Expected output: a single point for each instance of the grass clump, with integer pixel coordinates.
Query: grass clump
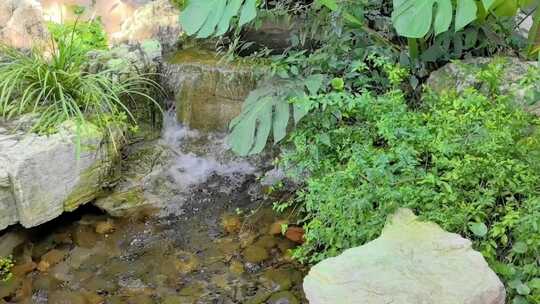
(53, 84)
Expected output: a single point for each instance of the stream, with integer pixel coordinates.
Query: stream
(204, 234)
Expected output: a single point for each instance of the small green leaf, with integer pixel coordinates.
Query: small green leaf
(193, 17)
(465, 13)
(520, 300)
(338, 84)
(488, 3)
(325, 139)
(520, 247)
(330, 4)
(479, 229)
(523, 289)
(534, 283)
(413, 18)
(248, 13)
(314, 83)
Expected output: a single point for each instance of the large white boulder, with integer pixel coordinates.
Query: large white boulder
(43, 176)
(412, 262)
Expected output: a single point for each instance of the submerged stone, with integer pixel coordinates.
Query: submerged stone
(236, 268)
(186, 262)
(10, 241)
(255, 254)
(277, 279)
(283, 297)
(411, 262)
(295, 234)
(85, 236)
(50, 259)
(105, 227)
(231, 223)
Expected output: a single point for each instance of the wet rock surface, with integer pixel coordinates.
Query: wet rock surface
(209, 91)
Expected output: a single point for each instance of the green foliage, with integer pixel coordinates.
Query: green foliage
(6, 264)
(266, 112)
(83, 35)
(179, 3)
(341, 62)
(469, 163)
(206, 18)
(54, 86)
(496, 18)
(415, 18)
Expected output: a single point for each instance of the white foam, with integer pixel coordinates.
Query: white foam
(189, 168)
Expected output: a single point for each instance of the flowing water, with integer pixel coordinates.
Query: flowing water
(204, 238)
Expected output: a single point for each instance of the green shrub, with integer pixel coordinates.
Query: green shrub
(6, 264)
(470, 163)
(85, 36)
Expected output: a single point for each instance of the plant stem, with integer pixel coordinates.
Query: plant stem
(413, 48)
(533, 33)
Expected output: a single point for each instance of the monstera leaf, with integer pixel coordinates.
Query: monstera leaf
(267, 111)
(206, 18)
(414, 18)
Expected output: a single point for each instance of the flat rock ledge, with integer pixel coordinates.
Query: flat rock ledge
(412, 262)
(43, 176)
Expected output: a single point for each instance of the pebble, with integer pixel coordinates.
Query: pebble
(105, 227)
(276, 227)
(231, 224)
(295, 234)
(50, 259)
(283, 297)
(255, 254)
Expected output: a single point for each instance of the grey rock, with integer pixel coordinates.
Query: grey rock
(9, 241)
(43, 176)
(412, 262)
(127, 60)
